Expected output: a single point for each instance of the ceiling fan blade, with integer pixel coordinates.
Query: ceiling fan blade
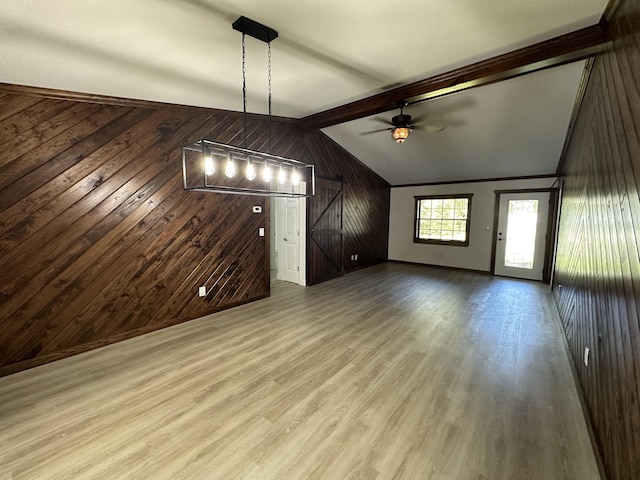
(376, 131)
(455, 123)
(419, 119)
(430, 128)
(382, 120)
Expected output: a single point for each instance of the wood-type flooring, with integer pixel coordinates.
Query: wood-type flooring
(391, 372)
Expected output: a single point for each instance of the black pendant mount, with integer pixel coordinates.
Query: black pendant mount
(255, 29)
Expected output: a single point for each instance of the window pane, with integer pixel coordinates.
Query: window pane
(462, 207)
(522, 222)
(442, 219)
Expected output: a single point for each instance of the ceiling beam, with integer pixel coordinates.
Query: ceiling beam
(556, 51)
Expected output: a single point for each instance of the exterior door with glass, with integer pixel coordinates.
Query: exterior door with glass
(522, 235)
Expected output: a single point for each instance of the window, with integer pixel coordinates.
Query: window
(442, 220)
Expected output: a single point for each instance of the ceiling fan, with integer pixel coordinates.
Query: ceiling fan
(402, 125)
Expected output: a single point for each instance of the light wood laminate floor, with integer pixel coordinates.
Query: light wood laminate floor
(393, 372)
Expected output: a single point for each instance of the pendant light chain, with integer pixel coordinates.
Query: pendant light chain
(263, 174)
(269, 80)
(244, 91)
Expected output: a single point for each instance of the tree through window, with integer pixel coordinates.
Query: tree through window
(442, 220)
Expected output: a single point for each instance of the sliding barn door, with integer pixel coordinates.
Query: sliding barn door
(325, 232)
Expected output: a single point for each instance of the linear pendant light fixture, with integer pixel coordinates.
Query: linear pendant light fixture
(210, 166)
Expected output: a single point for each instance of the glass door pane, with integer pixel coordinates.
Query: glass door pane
(522, 222)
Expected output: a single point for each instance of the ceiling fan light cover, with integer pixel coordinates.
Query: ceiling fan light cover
(400, 134)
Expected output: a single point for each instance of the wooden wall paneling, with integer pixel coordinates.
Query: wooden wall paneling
(603, 357)
(229, 248)
(54, 131)
(626, 237)
(12, 104)
(551, 234)
(366, 200)
(325, 231)
(109, 276)
(597, 285)
(86, 175)
(112, 223)
(45, 261)
(178, 256)
(99, 240)
(78, 220)
(161, 234)
(45, 142)
(28, 118)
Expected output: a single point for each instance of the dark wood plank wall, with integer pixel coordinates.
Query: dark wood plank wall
(98, 240)
(325, 232)
(597, 278)
(365, 205)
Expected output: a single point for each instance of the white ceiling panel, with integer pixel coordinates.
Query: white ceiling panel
(329, 53)
(512, 128)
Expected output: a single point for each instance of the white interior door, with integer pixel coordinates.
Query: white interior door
(288, 240)
(522, 234)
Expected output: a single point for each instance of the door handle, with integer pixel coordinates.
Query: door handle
(285, 239)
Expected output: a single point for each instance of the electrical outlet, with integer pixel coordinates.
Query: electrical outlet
(202, 291)
(586, 356)
(261, 232)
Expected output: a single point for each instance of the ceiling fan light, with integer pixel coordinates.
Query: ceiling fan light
(400, 134)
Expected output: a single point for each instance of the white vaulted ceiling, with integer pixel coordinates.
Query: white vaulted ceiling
(329, 53)
(513, 128)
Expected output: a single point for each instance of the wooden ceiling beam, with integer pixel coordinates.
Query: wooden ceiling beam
(556, 51)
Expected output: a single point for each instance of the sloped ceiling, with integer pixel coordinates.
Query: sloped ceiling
(507, 129)
(329, 53)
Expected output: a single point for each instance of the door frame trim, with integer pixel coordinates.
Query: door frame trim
(279, 206)
(551, 227)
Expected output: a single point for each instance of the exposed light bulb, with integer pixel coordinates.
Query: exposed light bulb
(295, 177)
(266, 173)
(281, 175)
(209, 167)
(230, 169)
(251, 171)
